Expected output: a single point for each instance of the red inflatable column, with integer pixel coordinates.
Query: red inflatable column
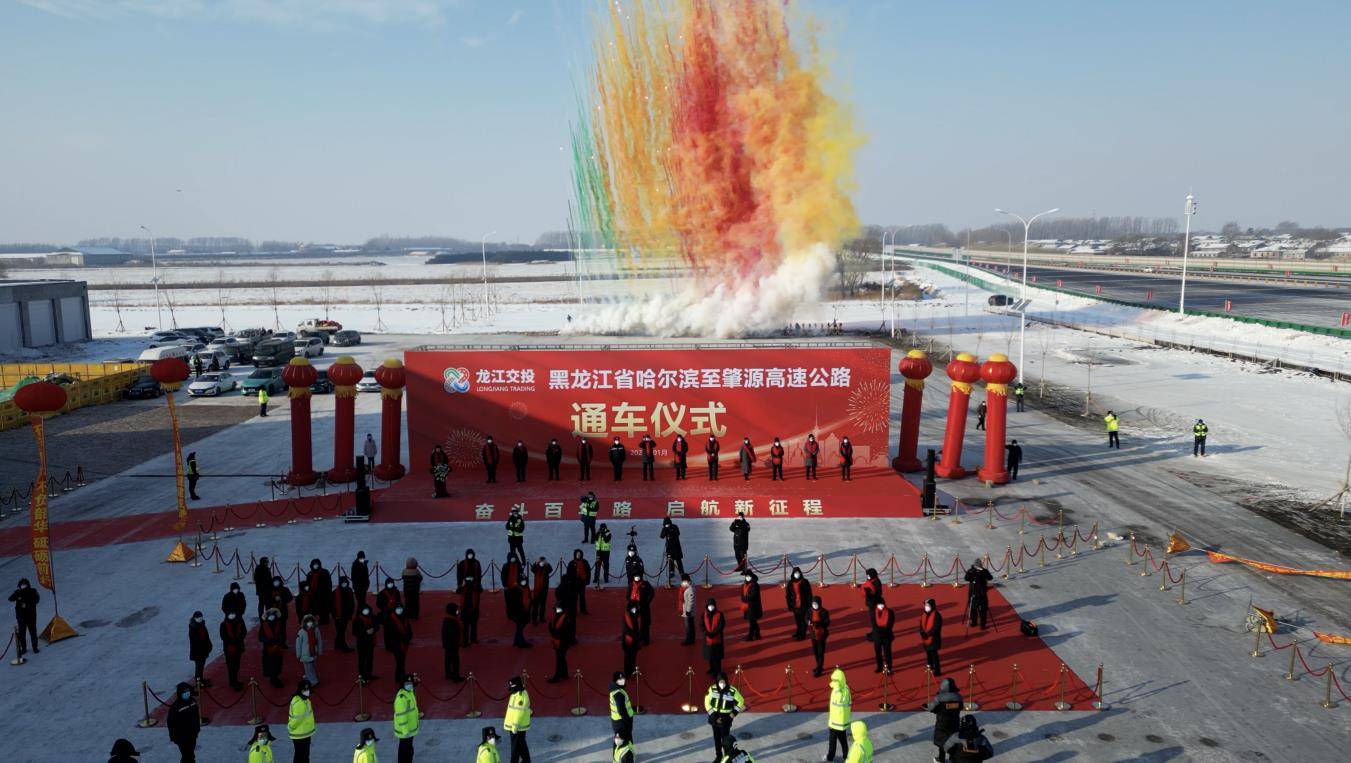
(963, 370)
(915, 367)
(997, 372)
(344, 373)
(299, 375)
(391, 377)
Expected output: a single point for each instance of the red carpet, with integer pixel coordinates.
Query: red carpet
(664, 686)
(873, 492)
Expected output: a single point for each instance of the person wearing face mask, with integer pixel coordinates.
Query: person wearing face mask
(388, 598)
(623, 750)
(741, 539)
(799, 599)
(262, 585)
(846, 459)
(947, 709)
(309, 645)
(517, 720)
(714, 626)
(685, 607)
(931, 634)
(398, 635)
(562, 636)
(321, 585)
(26, 598)
(675, 555)
(516, 535)
(520, 459)
(517, 597)
(872, 589)
(360, 573)
(811, 455)
(272, 636)
(618, 453)
(199, 646)
(776, 453)
(487, 750)
(587, 508)
(751, 608)
(632, 637)
(234, 601)
(540, 572)
(861, 751)
(300, 722)
(633, 563)
(722, 703)
(820, 627)
(440, 470)
(580, 570)
(406, 718)
(841, 713)
(734, 752)
(369, 449)
(469, 585)
(281, 600)
(978, 581)
(680, 448)
(452, 630)
(642, 594)
(711, 450)
(601, 569)
(553, 459)
(882, 621)
(585, 453)
(566, 594)
(365, 750)
(185, 723)
(647, 449)
(621, 708)
(364, 627)
(232, 634)
(746, 457)
(305, 603)
(124, 752)
(412, 588)
(491, 458)
(343, 607)
(260, 744)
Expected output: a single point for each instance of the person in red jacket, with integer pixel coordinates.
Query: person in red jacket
(751, 608)
(776, 460)
(931, 634)
(388, 598)
(232, 635)
(680, 448)
(846, 459)
(820, 622)
(491, 458)
(714, 626)
(540, 572)
(872, 589)
(305, 601)
(562, 635)
(641, 594)
(711, 451)
(799, 598)
(811, 455)
(632, 638)
(883, 623)
(272, 635)
(584, 455)
(344, 608)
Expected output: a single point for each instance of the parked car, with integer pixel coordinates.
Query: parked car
(273, 352)
(232, 346)
(319, 324)
(143, 388)
(999, 300)
(322, 336)
(269, 378)
(311, 347)
(346, 338)
(215, 383)
(368, 383)
(161, 337)
(289, 336)
(221, 357)
(322, 385)
(199, 334)
(152, 354)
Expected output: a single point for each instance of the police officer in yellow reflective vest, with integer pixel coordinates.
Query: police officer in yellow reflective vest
(300, 722)
(1199, 432)
(722, 703)
(517, 721)
(487, 750)
(623, 749)
(1113, 423)
(406, 718)
(841, 711)
(262, 401)
(621, 709)
(862, 749)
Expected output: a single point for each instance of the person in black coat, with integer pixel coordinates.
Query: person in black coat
(1015, 457)
(199, 646)
(124, 752)
(281, 599)
(185, 723)
(633, 563)
(562, 635)
(553, 457)
(26, 598)
(580, 570)
(232, 637)
(321, 585)
(631, 638)
(617, 455)
(360, 573)
(540, 572)
(675, 556)
(947, 709)
(931, 635)
(681, 449)
(641, 593)
(451, 634)
(469, 584)
(799, 599)
(585, 454)
(647, 448)
(491, 458)
(751, 607)
(344, 608)
(518, 611)
(969, 744)
(234, 601)
(262, 585)
(398, 632)
(520, 458)
(977, 593)
(741, 539)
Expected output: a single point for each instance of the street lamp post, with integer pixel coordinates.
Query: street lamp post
(1022, 312)
(154, 268)
(1188, 212)
(483, 251)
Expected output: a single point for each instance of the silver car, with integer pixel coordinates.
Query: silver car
(212, 384)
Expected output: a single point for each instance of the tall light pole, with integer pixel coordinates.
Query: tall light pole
(483, 251)
(1022, 313)
(154, 267)
(1188, 212)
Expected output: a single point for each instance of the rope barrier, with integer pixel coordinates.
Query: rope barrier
(266, 699)
(207, 693)
(157, 697)
(662, 694)
(7, 646)
(530, 681)
(339, 702)
(451, 698)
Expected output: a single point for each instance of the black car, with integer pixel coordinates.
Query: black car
(347, 338)
(143, 388)
(322, 385)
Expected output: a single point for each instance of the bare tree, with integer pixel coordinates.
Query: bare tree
(1044, 340)
(327, 291)
(273, 274)
(117, 306)
(220, 298)
(378, 292)
(169, 302)
(443, 303)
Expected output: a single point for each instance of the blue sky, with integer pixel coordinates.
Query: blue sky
(335, 120)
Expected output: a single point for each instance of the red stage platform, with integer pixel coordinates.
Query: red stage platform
(665, 687)
(873, 492)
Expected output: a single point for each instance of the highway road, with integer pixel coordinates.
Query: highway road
(1318, 306)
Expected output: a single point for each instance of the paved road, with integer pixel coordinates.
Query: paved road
(1318, 306)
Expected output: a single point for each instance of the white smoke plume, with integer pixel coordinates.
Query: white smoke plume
(721, 309)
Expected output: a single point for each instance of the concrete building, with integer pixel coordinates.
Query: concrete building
(42, 313)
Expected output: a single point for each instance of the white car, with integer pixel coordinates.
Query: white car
(212, 384)
(309, 347)
(222, 358)
(368, 383)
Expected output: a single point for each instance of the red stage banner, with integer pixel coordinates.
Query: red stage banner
(456, 397)
(38, 524)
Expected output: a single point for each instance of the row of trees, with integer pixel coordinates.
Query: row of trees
(1234, 230)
